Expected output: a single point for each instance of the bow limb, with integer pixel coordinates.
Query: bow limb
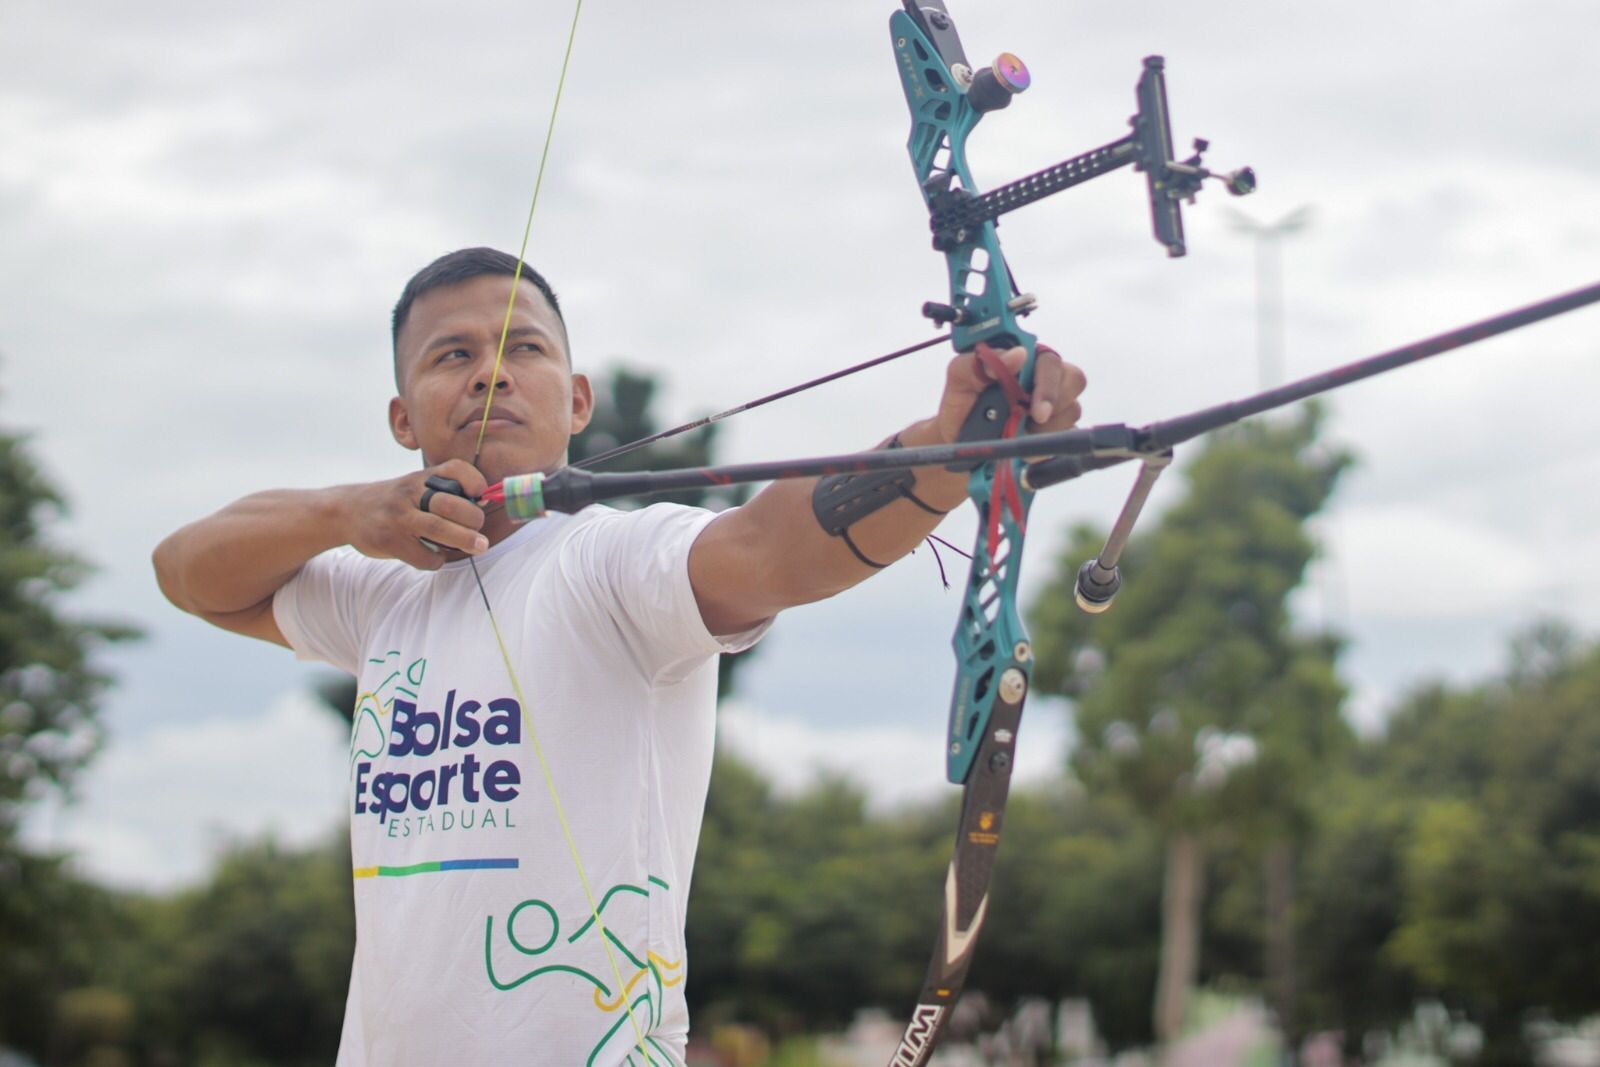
(993, 655)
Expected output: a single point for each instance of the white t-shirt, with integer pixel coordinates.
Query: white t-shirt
(475, 942)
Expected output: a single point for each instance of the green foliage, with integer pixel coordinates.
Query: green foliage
(218, 971)
(250, 968)
(49, 729)
(800, 911)
(1461, 858)
(94, 1026)
(1348, 908)
(1077, 910)
(1199, 652)
(1502, 873)
(49, 689)
(53, 927)
(807, 909)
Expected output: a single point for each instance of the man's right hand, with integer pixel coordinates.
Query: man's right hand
(386, 520)
(227, 567)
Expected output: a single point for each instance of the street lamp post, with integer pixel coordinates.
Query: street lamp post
(1279, 861)
(1269, 286)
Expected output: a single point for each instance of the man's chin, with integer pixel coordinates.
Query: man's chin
(499, 461)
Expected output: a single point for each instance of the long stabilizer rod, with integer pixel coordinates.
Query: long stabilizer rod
(1160, 436)
(1099, 578)
(1072, 452)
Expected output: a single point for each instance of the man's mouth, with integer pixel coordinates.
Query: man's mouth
(498, 418)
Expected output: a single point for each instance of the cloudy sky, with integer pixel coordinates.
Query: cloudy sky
(206, 211)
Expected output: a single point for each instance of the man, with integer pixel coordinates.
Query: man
(478, 940)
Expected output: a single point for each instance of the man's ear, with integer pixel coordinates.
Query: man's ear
(400, 424)
(582, 402)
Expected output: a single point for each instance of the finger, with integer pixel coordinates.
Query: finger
(1073, 381)
(964, 372)
(1047, 380)
(446, 534)
(1066, 417)
(472, 480)
(1013, 359)
(457, 509)
(1058, 382)
(414, 553)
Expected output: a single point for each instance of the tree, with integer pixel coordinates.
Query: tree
(1348, 909)
(54, 930)
(49, 729)
(806, 909)
(251, 967)
(1195, 698)
(1501, 872)
(791, 894)
(49, 687)
(1458, 858)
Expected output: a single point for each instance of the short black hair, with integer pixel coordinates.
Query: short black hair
(464, 264)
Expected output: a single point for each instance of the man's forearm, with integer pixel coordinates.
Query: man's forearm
(240, 556)
(890, 532)
(773, 553)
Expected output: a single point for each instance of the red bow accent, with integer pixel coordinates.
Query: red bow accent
(1004, 494)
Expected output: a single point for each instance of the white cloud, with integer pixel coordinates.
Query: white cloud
(156, 808)
(895, 765)
(209, 211)
(1418, 564)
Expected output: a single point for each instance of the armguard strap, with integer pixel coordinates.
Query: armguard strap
(842, 500)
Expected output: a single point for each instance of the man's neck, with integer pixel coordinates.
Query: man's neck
(498, 526)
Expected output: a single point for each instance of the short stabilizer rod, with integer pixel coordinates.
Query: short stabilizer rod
(1101, 577)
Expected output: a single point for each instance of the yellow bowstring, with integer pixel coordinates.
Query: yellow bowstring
(527, 229)
(505, 653)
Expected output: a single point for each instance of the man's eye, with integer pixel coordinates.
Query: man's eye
(454, 353)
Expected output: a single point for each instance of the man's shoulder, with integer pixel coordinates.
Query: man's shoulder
(345, 564)
(661, 518)
(632, 537)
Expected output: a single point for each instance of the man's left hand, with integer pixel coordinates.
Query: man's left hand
(1054, 406)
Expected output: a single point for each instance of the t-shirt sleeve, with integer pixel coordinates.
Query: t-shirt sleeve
(638, 562)
(322, 611)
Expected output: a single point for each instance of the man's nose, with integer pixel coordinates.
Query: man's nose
(486, 371)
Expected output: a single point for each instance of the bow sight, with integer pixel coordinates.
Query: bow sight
(985, 302)
(954, 210)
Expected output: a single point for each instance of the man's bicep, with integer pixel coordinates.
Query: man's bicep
(732, 585)
(257, 621)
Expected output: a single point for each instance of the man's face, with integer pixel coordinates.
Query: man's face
(445, 356)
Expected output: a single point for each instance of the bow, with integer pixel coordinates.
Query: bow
(947, 98)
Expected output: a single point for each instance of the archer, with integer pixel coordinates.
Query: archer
(481, 934)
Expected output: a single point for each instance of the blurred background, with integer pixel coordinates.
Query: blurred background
(1345, 720)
